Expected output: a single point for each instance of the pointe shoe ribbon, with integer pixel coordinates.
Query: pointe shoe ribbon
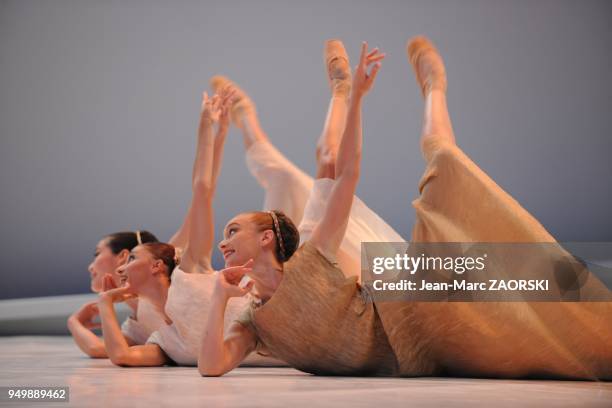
(242, 103)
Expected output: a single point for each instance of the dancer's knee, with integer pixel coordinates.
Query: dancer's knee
(435, 142)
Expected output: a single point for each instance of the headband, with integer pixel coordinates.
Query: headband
(138, 237)
(276, 228)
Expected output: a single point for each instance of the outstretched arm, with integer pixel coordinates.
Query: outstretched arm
(196, 235)
(329, 232)
(119, 350)
(219, 355)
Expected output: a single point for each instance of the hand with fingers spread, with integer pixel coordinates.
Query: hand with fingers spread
(228, 280)
(368, 61)
(86, 314)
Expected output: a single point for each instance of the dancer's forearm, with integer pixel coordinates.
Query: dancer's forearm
(203, 163)
(218, 156)
(85, 339)
(114, 341)
(211, 357)
(348, 163)
(119, 350)
(218, 354)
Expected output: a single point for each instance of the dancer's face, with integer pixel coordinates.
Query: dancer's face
(242, 240)
(140, 269)
(105, 262)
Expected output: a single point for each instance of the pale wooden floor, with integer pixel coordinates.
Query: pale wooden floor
(56, 361)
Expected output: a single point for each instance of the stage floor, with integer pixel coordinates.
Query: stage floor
(56, 361)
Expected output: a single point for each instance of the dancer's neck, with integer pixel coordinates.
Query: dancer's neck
(270, 275)
(157, 295)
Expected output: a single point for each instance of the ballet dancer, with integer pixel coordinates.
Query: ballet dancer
(308, 314)
(151, 266)
(111, 252)
(290, 189)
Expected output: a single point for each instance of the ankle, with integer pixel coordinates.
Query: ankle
(341, 90)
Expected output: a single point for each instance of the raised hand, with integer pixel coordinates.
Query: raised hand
(216, 109)
(211, 110)
(229, 278)
(362, 80)
(227, 96)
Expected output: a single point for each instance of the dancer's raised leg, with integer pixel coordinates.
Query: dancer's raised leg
(461, 203)
(458, 202)
(339, 77)
(431, 77)
(287, 187)
(243, 112)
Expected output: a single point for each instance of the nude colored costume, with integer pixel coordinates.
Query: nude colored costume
(323, 323)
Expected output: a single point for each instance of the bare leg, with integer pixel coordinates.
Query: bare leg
(436, 121)
(251, 129)
(287, 187)
(244, 114)
(462, 204)
(329, 141)
(339, 76)
(431, 77)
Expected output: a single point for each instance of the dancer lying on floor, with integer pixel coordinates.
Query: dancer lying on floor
(111, 252)
(147, 272)
(308, 314)
(288, 190)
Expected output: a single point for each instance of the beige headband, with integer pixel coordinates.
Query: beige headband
(138, 237)
(279, 237)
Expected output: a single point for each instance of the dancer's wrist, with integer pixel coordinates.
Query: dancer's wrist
(356, 98)
(105, 298)
(206, 120)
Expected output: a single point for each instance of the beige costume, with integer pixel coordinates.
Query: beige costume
(323, 323)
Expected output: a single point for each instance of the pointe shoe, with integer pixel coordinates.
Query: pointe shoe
(338, 67)
(427, 64)
(242, 103)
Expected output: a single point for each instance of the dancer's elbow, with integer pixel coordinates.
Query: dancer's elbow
(121, 359)
(207, 370)
(96, 351)
(211, 373)
(202, 187)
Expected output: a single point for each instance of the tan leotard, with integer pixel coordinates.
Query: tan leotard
(321, 322)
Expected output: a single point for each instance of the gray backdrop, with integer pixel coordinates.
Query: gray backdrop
(99, 104)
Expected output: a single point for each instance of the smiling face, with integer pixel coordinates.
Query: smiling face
(140, 269)
(242, 240)
(105, 262)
